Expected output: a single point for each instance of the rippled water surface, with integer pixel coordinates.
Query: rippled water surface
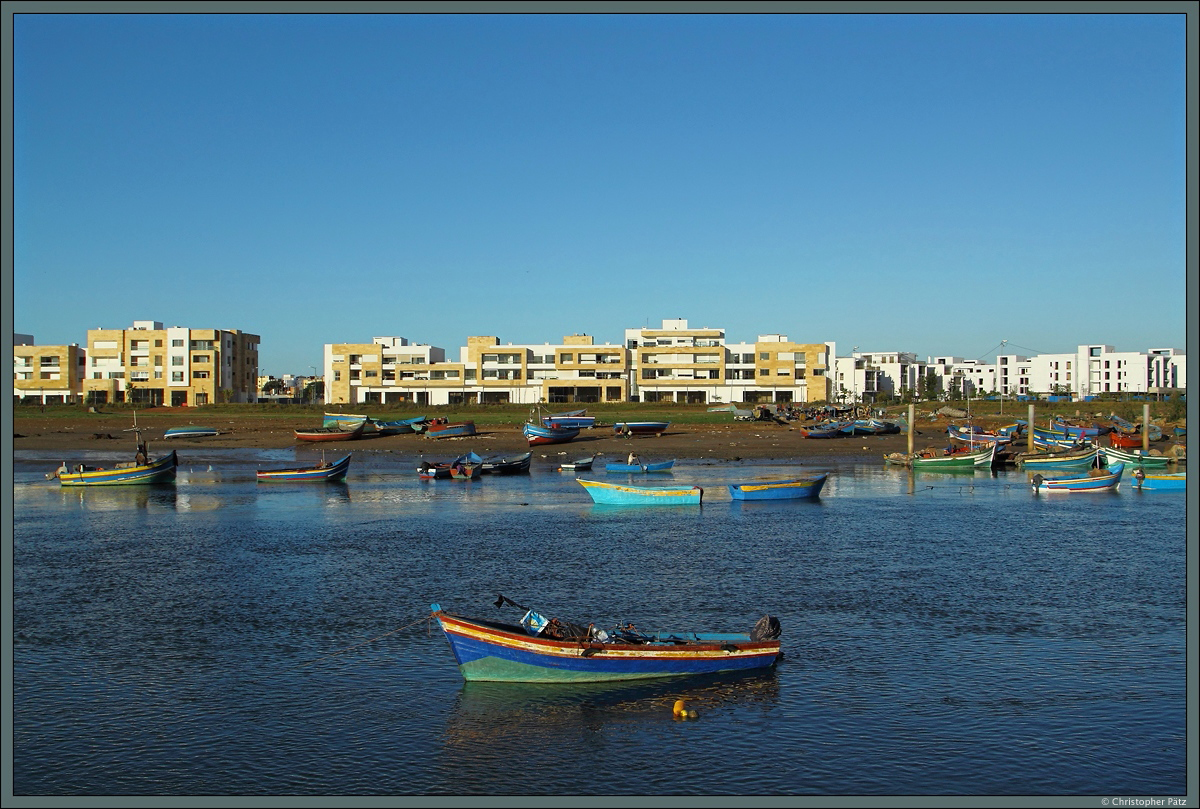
(943, 634)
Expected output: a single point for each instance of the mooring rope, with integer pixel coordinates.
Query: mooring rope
(426, 619)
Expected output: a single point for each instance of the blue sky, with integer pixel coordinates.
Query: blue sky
(925, 183)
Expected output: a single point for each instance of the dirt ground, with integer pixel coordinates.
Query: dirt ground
(732, 441)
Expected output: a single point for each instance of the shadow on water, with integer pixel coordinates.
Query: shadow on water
(489, 713)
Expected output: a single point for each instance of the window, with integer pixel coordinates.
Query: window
(49, 362)
(177, 360)
(177, 344)
(199, 374)
(337, 376)
(764, 371)
(158, 343)
(370, 374)
(200, 358)
(202, 345)
(177, 376)
(764, 355)
(566, 357)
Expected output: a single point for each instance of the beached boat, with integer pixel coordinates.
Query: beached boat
(1160, 481)
(974, 435)
(348, 421)
(831, 430)
(641, 427)
(537, 434)
(399, 426)
(541, 650)
(578, 465)
(1080, 430)
(319, 473)
(793, 489)
(1068, 459)
(610, 494)
(511, 465)
(190, 431)
(1134, 457)
(575, 419)
(640, 468)
(739, 414)
(440, 428)
(141, 471)
(1094, 480)
(331, 433)
(464, 467)
(1123, 440)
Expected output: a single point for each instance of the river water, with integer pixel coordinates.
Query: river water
(944, 634)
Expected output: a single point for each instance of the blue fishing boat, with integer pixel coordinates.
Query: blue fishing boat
(640, 468)
(541, 650)
(1094, 480)
(537, 434)
(1159, 481)
(808, 487)
(610, 494)
(140, 472)
(829, 430)
(578, 465)
(319, 473)
(190, 431)
(399, 426)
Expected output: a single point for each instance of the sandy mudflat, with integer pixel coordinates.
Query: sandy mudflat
(735, 440)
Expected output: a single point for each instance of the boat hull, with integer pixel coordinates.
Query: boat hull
(796, 489)
(537, 434)
(314, 474)
(635, 469)
(190, 432)
(1073, 460)
(1166, 481)
(161, 471)
(1103, 481)
(570, 422)
(450, 430)
(609, 494)
(487, 654)
(1134, 458)
(641, 427)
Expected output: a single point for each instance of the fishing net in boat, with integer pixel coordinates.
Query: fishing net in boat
(767, 628)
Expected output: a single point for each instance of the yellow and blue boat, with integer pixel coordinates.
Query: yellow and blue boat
(140, 472)
(609, 494)
(793, 489)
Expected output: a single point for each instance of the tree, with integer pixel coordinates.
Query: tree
(314, 390)
(274, 386)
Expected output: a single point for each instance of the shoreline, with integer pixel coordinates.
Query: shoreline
(724, 442)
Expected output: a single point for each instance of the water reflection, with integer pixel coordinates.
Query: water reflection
(162, 497)
(487, 715)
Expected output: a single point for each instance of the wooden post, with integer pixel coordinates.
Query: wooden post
(912, 423)
(1146, 427)
(1029, 437)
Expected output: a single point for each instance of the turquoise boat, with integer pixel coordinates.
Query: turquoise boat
(639, 468)
(1160, 481)
(1068, 459)
(190, 432)
(610, 494)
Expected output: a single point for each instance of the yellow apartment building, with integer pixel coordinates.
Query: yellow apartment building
(47, 374)
(390, 370)
(174, 367)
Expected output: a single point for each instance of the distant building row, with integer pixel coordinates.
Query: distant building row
(146, 364)
(177, 366)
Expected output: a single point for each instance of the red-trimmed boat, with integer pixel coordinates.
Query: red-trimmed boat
(440, 428)
(541, 650)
